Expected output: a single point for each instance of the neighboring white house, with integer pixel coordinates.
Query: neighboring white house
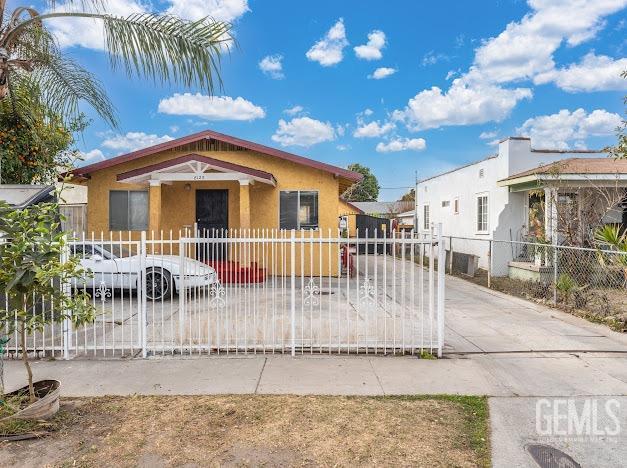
(489, 199)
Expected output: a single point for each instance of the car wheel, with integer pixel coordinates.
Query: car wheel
(158, 284)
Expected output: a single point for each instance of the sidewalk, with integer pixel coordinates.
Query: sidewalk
(515, 382)
(514, 374)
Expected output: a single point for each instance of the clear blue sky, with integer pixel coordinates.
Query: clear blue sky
(460, 75)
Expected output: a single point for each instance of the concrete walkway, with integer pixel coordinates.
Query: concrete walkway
(516, 352)
(507, 375)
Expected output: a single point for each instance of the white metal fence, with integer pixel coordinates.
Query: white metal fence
(253, 291)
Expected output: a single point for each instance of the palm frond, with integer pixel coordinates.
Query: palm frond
(168, 49)
(64, 84)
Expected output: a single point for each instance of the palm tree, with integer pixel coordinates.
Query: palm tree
(164, 48)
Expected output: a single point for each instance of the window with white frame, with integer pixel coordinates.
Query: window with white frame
(482, 213)
(446, 203)
(298, 209)
(128, 210)
(425, 217)
(456, 206)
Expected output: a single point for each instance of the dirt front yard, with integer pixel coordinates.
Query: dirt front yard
(261, 431)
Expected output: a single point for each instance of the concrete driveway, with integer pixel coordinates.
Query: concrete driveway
(479, 320)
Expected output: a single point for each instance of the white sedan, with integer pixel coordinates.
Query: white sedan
(113, 267)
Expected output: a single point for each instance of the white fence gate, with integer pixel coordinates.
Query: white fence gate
(254, 291)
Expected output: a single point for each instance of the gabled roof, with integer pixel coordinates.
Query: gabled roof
(209, 134)
(182, 163)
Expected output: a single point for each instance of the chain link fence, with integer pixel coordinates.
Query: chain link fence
(587, 282)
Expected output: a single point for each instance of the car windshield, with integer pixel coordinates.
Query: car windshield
(105, 250)
(116, 250)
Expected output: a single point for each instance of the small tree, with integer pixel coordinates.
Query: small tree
(619, 151)
(367, 189)
(409, 196)
(32, 275)
(35, 145)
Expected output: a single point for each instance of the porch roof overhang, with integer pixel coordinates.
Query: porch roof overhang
(571, 172)
(536, 181)
(193, 168)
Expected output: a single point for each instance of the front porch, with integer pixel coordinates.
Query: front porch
(199, 192)
(564, 203)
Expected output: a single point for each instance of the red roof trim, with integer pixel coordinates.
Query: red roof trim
(338, 171)
(197, 157)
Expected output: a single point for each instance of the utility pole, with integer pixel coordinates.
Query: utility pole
(416, 203)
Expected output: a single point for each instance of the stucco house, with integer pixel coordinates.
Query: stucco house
(215, 181)
(495, 198)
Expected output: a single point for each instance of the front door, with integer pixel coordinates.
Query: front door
(212, 216)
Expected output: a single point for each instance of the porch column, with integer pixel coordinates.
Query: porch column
(154, 204)
(244, 204)
(550, 214)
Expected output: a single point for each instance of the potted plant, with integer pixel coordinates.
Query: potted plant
(32, 268)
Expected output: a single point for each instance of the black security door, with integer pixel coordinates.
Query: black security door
(212, 216)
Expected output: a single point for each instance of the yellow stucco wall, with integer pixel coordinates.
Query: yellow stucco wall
(178, 210)
(347, 210)
(178, 205)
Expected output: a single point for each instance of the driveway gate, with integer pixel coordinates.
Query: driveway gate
(255, 291)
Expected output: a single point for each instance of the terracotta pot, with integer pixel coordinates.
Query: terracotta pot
(46, 406)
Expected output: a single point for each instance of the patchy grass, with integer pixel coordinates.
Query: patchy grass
(10, 405)
(262, 430)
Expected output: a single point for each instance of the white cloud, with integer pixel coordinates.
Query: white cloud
(460, 105)
(211, 107)
(293, 110)
(522, 51)
(566, 129)
(303, 131)
(220, 10)
(372, 129)
(488, 135)
(272, 66)
(91, 157)
(372, 49)
(133, 141)
(431, 58)
(525, 48)
(329, 50)
(593, 73)
(401, 144)
(382, 72)
(89, 33)
(343, 147)
(367, 112)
